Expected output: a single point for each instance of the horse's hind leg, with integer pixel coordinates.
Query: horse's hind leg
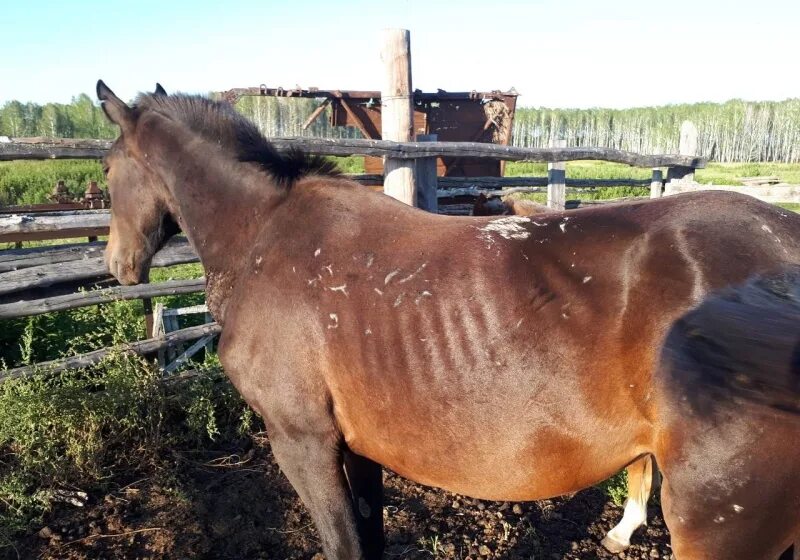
(640, 479)
(365, 478)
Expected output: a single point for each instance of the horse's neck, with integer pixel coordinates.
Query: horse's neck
(221, 205)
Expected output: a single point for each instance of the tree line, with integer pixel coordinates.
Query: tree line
(735, 131)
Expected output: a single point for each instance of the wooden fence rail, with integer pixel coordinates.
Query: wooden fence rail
(26, 308)
(178, 251)
(141, 347)
(64, 148)
(74, 223)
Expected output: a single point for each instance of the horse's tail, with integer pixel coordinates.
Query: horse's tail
(740, 344)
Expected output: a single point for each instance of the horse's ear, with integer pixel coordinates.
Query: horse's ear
(159, 90)
(115, 108)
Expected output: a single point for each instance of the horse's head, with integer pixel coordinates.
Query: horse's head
(140, 201)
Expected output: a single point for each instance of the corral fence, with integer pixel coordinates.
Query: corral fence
(52, 278)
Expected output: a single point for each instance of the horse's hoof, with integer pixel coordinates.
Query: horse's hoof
(613, 546)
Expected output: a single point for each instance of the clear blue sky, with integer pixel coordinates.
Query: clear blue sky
(565, 53)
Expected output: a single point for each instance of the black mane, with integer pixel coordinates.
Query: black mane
(220, 123)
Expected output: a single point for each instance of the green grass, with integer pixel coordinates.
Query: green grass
(349, 164)
(714, 173)
(31, 182)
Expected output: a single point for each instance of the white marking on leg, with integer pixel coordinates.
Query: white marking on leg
(635, 516)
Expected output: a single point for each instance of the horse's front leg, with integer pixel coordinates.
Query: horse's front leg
(365, 478)
(313, 464)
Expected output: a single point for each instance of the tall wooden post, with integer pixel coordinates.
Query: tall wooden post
(397, 113)
(656, 184)
(556, 180)
(427, 181)
(689, 146)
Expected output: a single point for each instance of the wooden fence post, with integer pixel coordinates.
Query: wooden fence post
(688, 147)
(656, 184)
(397, 113)
(427, 181)
(556, 180)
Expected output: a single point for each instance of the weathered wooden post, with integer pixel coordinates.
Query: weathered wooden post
(656, 184)
(427, 181)
(397, 114)
(556, 180)
(92, 196)
(688, 147)
(60, 194)
(92, 199)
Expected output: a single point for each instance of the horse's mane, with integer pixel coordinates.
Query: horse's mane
(220, 123)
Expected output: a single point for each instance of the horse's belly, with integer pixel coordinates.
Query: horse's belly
(493, 456)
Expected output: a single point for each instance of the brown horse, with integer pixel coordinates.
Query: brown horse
(359, 329)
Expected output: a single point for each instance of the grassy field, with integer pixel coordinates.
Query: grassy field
(715, 173)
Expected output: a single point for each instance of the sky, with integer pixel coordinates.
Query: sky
(567, 53)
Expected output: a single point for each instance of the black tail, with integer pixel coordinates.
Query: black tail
(742, 343)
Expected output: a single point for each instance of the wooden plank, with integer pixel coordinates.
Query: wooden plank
(34, 208)
(53, 148)
(475, 191)
(67, 224)
(364, 124)
(755, 181)
(768, 193)
(427, 181)
(317, 112)
(191, 310)
(413, 150)
(15, 259)
(67, 233)
(502, 182)
(50, 274)
(189, 352)
(656, 184)
(141, 347)
(556, 181)
(397, 114)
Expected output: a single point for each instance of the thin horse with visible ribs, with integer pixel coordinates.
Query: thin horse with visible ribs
(359, 328)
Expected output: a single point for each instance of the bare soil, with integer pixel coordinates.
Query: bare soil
(235, 503)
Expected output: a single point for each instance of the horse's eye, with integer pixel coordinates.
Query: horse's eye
(105, 171)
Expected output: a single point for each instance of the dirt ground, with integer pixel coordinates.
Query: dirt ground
(235, 503)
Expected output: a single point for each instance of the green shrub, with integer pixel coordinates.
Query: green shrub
(83, 428)
(32, 182)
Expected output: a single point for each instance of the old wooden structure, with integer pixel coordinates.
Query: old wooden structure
(486, 117)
